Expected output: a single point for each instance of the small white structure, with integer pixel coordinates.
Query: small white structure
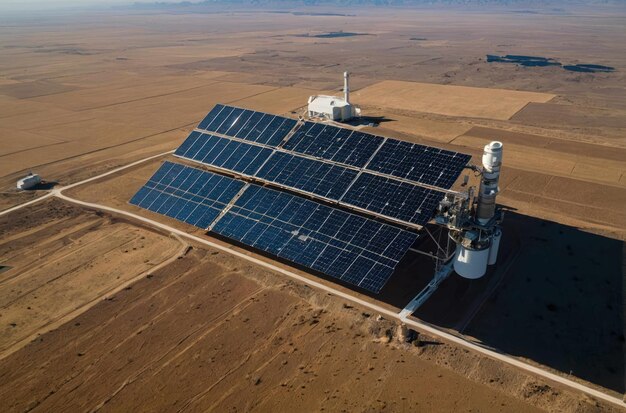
(29, 181)
(333, 107)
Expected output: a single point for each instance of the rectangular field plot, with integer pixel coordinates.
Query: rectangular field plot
(448, 100)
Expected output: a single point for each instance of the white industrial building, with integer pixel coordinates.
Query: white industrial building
(333, 107)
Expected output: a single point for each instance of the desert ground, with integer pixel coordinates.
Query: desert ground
(100, 312)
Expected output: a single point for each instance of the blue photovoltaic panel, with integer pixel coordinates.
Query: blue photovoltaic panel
(233, 118)
(187, 143)
(270, 130)
(419, 163)
(251, 127)
(354, 249)
(224, 153)
(247, 124)
(187, 194)
(319, 178)
(392, 198)
(333, 143)
(211, 118)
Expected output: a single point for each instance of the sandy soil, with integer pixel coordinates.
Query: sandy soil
(209, 332)
(61, 261)
(79, 96)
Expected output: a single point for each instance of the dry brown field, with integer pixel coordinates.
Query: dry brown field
(449, 100)
(101, 313)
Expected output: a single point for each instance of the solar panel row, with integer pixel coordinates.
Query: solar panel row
(381, 195)
(349, 247)
(224, 153)
(334, 144)
(354, 249)
(419, 163)
(187, 194)
(247, 124)
(392, 198)
(318, 178)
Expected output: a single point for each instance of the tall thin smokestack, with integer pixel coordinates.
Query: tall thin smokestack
(346, 87)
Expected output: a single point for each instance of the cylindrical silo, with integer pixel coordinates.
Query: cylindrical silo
(471, 263)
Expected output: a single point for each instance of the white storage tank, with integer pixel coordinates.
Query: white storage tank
(495, 246)
(471, 263)
(29, 181)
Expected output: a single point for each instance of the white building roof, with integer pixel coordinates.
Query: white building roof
(324, 104)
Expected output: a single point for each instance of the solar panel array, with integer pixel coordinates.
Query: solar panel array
(382, 177)
(317, 178)
(334, 144)
(392, 198)
(365, 169)
(418, 163)
(349, 247)
(224, 153)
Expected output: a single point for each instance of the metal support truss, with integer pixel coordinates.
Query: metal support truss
(443, 269)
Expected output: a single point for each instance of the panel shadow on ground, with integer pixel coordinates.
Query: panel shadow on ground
(560, 301)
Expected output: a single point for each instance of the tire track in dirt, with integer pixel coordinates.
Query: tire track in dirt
(129, 336)
(147, 97)
(47, 245)
(198, 397)
(273, 393)
(84, 307)
(151, 365)
(35, 265)
(56, 278)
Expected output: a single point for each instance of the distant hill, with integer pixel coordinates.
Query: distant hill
(295, 3)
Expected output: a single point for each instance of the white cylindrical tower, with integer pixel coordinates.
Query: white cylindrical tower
(346, 87)
(492, 160)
